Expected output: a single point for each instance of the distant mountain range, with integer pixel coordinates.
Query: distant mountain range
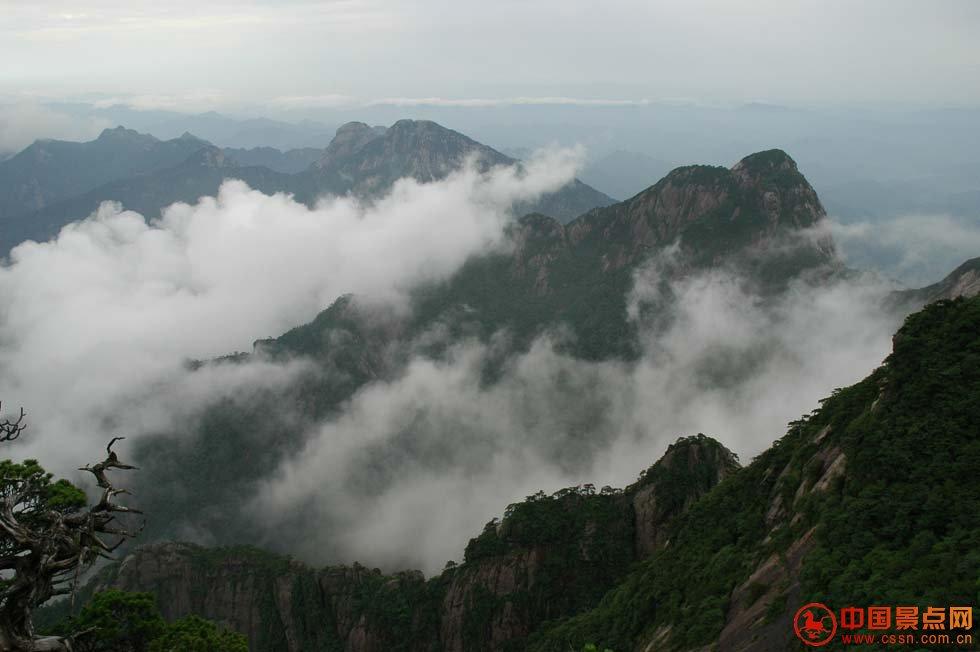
(53, 183)
(289, 161)
(49, 171)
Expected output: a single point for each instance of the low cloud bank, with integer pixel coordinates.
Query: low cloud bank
(416, 466)
(96, 325)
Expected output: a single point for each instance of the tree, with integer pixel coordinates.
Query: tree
(48, 536)
(194, 634)
(118, 621)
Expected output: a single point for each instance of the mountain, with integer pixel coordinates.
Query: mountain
(289, 162)
(549, 557)
(871, 499)
(756, 216)
(51, 170)
(219, 129)
(964, 281)
(361, 160)
(199, 175)
(759, 216)
(367, 160)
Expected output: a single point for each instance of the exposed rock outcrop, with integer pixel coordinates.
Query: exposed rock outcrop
(549, 557)
(964, 281)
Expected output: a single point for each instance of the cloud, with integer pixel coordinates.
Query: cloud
(23, 122)
(415, 465)
(96, 325)
(914, 249)
(506, 101)
(184, 103)
(329, 101)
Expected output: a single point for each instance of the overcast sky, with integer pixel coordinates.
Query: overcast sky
(218, 54)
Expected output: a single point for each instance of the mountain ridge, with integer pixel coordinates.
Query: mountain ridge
(728, 553)
(361, 160)
(48, 171)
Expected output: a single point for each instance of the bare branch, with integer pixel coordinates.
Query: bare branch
(10, 430)
(110, 462)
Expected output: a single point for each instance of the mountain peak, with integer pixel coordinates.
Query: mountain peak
(421, 149)
(766, 160)
(406, 124)
(772, 167)
(188, 136)
(964, 281)
(752, 215)
(210, 157)
(356, 128)
(122, 134)
(350, 138)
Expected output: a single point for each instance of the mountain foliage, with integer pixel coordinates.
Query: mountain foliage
(869, 499)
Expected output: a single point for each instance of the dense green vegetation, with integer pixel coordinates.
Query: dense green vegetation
(117, 621)
(906, 523)
(903, 524)
(582, 542)
(193, 634)
(60, 496)
(899, 525)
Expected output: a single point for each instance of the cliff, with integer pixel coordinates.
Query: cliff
(869, 499)
(547, 558)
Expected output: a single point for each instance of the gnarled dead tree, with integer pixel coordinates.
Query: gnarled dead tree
(48, 535)
(10, 430)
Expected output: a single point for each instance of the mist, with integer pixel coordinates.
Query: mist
(97, 325)
(914, 249)
(22, 123)
(445, 450)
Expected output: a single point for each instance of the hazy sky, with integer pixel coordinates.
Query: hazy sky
(219, 54)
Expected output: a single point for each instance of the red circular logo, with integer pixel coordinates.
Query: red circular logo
(815, 624)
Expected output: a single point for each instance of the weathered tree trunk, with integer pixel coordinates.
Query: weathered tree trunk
(51, 644)
(44, 548)
(46, 644)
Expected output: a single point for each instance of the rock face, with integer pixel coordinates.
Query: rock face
(964, 281)
(761, 212)
(690, 468)
(868, 497)
(366, 161)
(860, 502)
(549, 557)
